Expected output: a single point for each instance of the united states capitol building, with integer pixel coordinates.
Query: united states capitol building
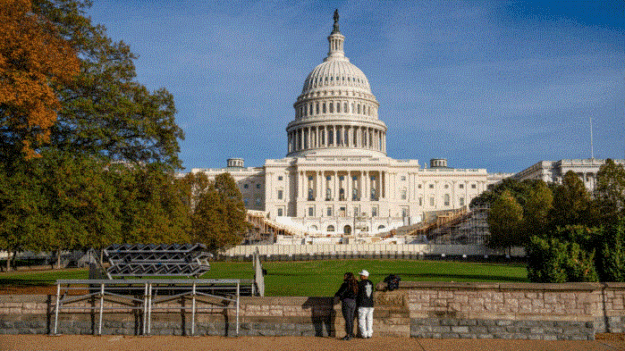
(337, 178)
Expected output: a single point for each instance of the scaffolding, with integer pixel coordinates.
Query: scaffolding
(165, 260)
(466, 229)
(147, 296)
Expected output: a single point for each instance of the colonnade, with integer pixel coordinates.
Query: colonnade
(342, 185)
(335, 107)
(337, 136)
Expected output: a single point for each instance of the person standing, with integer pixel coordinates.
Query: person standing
(347, 294)
(364, 301)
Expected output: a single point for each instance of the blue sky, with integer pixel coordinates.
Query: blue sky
(499, 85)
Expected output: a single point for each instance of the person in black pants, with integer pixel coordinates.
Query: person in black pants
(347, 294)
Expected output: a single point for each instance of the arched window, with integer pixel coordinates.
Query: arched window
(313, 228)
(446, 199)
(330, 228)
(381, 227)
(338, 107)
(358, 109)
(331, 107)
(347, 229)
(324, 107)
(345, 108)
(317, 108)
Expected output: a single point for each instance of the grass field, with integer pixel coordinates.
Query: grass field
(319, 278)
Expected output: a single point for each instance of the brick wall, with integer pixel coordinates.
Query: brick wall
(575, 311)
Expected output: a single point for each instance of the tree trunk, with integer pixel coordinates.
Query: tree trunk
(58, 259)
(8, 260)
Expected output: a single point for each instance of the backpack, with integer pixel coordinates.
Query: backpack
(392, 282)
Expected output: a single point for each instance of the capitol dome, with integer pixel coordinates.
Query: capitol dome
(336, 114)
(336, 73)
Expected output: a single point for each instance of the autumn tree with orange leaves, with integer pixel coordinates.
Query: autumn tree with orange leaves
(34, 59)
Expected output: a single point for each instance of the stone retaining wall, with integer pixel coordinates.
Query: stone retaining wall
(574, 311)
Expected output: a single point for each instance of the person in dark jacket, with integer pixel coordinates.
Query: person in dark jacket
(347, 294)
(364, 302)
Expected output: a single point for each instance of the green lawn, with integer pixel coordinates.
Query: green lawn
(321, 278)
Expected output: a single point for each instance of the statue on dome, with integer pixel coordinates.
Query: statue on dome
(336, 21)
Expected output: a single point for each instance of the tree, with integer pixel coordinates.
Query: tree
(571, 202)
(537, 207)
(219, 217)
(611, 252)
(231, 196)
(153, 210)
(193, 186)
(34, 59)
(504, 221)
(551, 260)
(104, 110)
(609, 193)
(21, 207)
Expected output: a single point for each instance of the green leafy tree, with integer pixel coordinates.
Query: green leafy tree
(210, 225)
(609, 192)
(219, 217)
(231, 196)
(193, 186)
(571, 202)
(566, 256)
(555, 261)
(537, 207)
(104, 110)
(153, 208)
(21, 207)
(505, 222)
(611, 252)
(81, 205)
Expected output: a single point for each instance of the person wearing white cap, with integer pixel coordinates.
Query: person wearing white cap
(364, 301)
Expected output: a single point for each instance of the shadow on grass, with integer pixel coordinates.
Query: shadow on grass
(25, 282)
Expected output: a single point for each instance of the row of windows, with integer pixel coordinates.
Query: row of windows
(329, 211)
(332, 79)
(446, 201)
(257, 202)
(346, 229)
(431, 186)
(246, 186)
(311, 109)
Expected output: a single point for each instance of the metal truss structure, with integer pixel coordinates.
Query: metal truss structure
(147, 296)
(165, 260)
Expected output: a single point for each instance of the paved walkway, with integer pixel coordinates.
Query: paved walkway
(100, 343)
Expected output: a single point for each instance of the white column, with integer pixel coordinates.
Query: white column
(365, 186)
(348, 187)
(335, 195)
(300, 186)
(318, 186)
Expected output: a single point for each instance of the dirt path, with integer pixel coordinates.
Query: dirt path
(135, 343)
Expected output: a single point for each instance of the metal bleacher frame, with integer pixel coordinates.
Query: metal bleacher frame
(152, 260)
(143, 295)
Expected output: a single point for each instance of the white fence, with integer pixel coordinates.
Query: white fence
(362, 249)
